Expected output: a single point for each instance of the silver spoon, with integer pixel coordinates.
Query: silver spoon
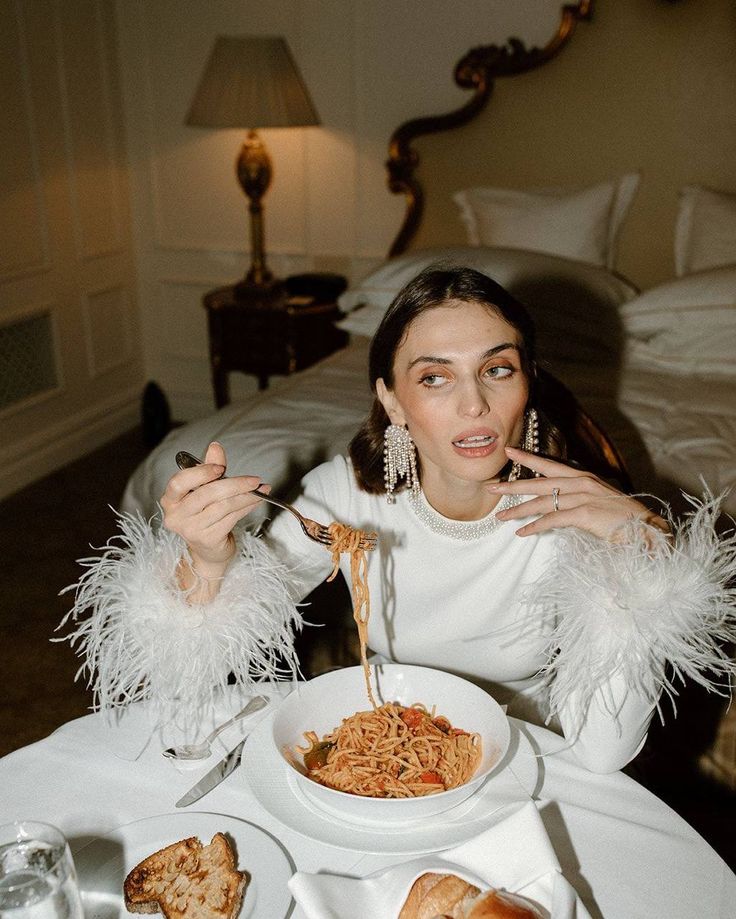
(203, 749)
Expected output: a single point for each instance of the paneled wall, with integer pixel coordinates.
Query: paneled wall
(70, 352)
(369, 64)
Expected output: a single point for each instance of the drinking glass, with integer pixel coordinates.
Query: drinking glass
(37, 876)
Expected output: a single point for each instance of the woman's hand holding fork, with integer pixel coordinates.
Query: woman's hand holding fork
(203, 506)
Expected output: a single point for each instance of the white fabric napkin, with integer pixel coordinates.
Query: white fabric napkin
(514, 854)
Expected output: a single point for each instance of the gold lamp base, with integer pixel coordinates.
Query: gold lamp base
(254, 173)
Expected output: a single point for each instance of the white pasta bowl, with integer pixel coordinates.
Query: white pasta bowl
(321, 704)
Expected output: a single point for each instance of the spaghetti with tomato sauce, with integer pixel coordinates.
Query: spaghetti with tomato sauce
(393, 751)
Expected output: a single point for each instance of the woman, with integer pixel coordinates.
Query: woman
(557, 591)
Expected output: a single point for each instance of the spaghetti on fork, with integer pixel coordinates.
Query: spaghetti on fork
(345, 538)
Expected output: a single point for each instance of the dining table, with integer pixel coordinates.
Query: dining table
(105, 783)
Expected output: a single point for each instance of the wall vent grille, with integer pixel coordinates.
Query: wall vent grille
(27, 360)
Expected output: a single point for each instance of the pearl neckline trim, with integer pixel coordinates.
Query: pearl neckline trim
(460, 529)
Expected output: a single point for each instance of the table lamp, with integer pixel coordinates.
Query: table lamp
(252, 82)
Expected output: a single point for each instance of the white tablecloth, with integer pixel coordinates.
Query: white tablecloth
(626, 853)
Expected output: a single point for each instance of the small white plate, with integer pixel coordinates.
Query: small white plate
(273, 785)
(103, 865)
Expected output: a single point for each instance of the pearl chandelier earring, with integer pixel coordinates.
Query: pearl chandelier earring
(399, 460)
(530, 441)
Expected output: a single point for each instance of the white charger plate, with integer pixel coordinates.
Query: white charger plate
(104, 863)
(274, 787)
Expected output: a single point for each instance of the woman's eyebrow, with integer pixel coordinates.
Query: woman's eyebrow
(428, 359)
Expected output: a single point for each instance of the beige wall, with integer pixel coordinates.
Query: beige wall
(646, 86)
(65, 247)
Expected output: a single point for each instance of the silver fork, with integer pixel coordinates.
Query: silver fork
(316, 531)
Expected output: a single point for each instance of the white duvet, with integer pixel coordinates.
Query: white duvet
(279, 435)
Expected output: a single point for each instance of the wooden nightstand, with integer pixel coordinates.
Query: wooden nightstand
(264, 331)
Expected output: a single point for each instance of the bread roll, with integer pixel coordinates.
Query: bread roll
(498, 904)
(446, 896)
(433, 895)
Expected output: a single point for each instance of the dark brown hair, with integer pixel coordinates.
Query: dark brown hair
(434, 287)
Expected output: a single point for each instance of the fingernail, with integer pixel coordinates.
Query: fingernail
(217, 466)
(494, 487)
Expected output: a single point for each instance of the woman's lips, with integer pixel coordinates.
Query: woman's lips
(475, 446)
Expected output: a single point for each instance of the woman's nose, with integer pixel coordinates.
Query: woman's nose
(473, 401)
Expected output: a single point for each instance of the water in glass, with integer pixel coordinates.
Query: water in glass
(37, 877)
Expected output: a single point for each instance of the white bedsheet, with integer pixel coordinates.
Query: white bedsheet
(279, 434)
(688, 425)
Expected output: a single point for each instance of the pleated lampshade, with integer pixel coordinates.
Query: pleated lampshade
(251, 81)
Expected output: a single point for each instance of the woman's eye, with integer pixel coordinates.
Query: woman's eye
(498, 372)
(432, 379)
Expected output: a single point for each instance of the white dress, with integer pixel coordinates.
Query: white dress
(558, 625)
(458, 604)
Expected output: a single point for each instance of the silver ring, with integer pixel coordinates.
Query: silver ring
(555, 499)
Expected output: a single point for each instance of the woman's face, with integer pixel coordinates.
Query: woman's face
(460, 389)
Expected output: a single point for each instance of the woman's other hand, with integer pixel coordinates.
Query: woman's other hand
(568, 497)
(203, 506)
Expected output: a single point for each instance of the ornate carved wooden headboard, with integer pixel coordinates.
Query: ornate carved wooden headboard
(641, 90)
(476, 71)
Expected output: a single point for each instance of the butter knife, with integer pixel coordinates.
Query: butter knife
(216, 775)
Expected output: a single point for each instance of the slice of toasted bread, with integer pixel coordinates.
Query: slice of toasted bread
(187, 880)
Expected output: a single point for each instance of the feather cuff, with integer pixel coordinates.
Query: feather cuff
(653, 610)
(142, 640)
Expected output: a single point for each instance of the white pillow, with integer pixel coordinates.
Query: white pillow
(686, 326)
(580, 223)
(716, 287)
(533, 276)
(705, 232)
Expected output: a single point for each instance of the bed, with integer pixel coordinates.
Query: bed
(655, 368)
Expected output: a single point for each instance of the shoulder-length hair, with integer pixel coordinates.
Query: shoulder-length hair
(433, 287)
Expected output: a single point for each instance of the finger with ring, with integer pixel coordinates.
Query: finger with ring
(555, 499)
